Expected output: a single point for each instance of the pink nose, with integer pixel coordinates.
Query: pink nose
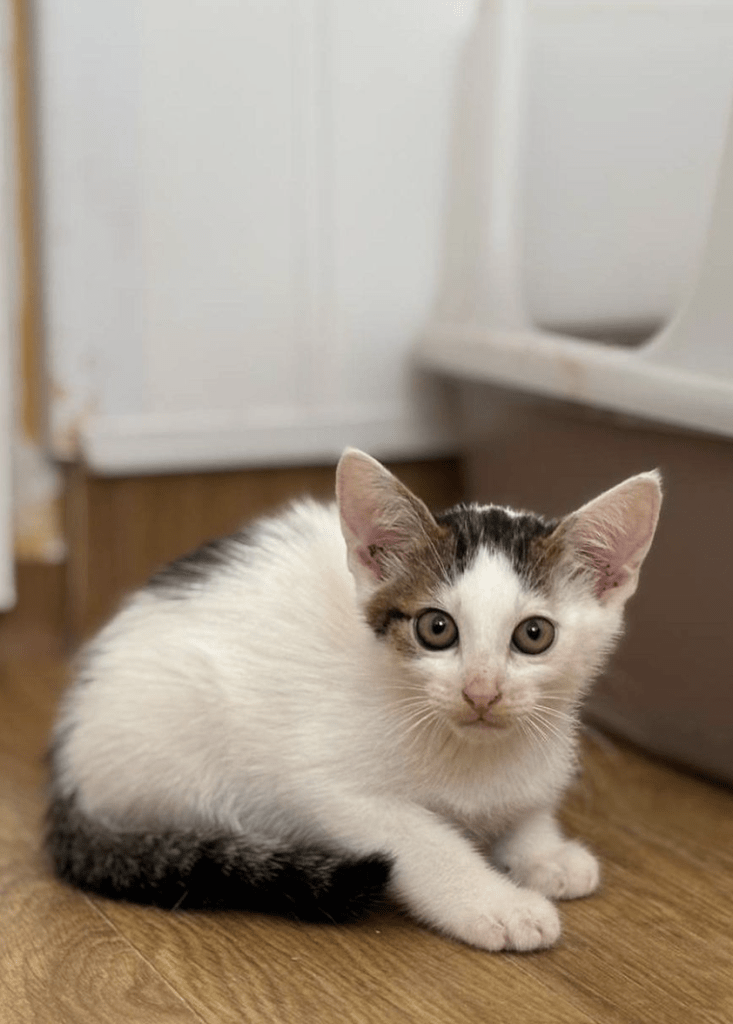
(481, 694)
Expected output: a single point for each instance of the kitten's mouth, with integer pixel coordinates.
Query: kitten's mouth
(490, 722)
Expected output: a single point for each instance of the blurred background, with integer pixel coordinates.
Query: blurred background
(238, 235)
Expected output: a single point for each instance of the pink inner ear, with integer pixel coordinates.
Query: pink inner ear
(379, 516)
(361, 506)
(372, 554)
(613, 534)
(611, 567)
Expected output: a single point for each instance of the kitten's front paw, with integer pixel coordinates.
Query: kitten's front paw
(566, 873)
(526, 921)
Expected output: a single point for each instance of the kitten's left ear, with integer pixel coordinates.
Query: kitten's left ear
(380, 518)
(611, 535)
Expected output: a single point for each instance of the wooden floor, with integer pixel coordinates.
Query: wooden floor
(656, 945)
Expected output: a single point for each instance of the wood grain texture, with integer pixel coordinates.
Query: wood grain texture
(37, 623)
(655, 945)
(384, 969)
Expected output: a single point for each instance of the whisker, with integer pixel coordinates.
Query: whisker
(416, 719)
(559, 696)
(428, 716)
(537, 737)
(550, 728)
(564, 716)
(566, 703)
(537, 727)
(406, 707)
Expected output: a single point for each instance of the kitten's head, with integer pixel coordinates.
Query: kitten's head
(498, 617)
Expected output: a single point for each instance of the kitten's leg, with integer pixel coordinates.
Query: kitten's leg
(537, 855)
(443, 879)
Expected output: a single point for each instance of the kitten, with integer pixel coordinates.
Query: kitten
(342, 701)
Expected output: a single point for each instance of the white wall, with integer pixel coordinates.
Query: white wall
(242, 224)
(626, 112)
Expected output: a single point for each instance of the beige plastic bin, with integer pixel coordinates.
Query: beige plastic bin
(551, 419)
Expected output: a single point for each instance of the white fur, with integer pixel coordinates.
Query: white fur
(264, 703)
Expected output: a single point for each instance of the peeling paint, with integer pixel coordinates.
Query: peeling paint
(69, 421)
(37, 504)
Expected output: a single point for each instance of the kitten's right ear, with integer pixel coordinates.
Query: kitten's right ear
(380, 517)
(611, 535)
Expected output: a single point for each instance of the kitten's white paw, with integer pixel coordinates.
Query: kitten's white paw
(566, 873)
(527, 921)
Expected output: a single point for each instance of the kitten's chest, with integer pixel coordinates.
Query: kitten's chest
(489, 794)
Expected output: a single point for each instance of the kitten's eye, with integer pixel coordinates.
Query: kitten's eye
(436, 630)
(533, 636)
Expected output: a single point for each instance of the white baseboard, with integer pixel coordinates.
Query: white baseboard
(160, 443)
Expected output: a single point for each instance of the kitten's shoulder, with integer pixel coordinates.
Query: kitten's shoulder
(303, 517)
(294, 528)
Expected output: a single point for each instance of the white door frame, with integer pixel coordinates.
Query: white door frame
(7, 303)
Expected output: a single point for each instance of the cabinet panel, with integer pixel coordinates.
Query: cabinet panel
(242, 226)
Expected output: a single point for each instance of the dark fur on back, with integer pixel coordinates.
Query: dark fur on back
(210, 870)
(182, 575)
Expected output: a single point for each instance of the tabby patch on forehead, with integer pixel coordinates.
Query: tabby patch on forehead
(523, 537)
(424, 569)
(528, 541)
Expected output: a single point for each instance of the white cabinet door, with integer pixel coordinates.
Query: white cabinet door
(242, 225)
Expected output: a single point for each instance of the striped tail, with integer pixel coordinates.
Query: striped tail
(208, 870)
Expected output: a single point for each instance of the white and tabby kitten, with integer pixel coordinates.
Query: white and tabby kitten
(350, 700)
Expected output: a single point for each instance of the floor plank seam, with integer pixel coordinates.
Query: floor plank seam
(116, 929)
